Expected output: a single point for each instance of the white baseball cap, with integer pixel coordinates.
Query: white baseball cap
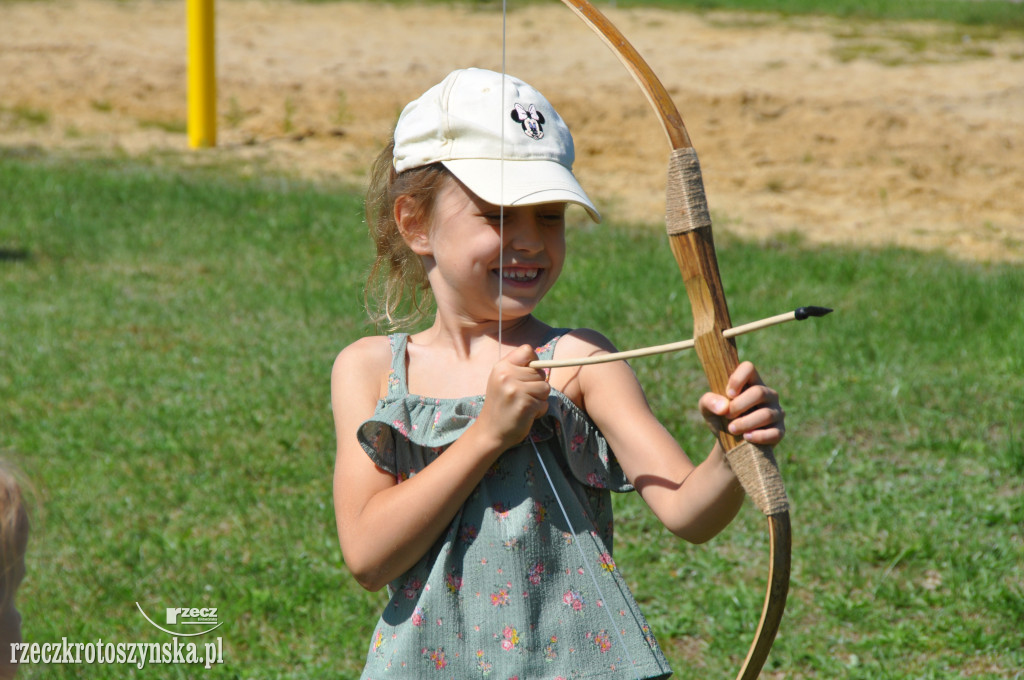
(498, 135)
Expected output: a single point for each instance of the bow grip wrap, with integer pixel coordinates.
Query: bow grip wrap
(686, 206)
(758, 472)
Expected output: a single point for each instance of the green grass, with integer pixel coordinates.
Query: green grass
(166, 343)
(969, 12)
(175, 126)
(1005, 14)
(14, 117)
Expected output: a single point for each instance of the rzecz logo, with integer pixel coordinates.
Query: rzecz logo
(187, 616)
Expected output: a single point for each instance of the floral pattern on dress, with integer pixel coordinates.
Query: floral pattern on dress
(503, 593)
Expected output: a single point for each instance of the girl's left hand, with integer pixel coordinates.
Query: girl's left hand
(750, 408)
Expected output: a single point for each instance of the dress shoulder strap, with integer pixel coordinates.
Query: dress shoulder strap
(398, 382)
(547, 350)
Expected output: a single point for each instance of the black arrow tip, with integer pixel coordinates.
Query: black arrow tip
(804, 312)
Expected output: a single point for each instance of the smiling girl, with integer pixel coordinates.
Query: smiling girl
(476, 488)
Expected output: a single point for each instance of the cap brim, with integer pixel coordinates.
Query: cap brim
(514, 183)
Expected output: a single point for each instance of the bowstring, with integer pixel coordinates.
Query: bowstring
(584, 562)
(501, 176)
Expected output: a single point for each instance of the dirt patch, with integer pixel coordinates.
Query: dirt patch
(844, 133)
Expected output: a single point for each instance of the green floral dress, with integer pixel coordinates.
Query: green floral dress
(508, 590)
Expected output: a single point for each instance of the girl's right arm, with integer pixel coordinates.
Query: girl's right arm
(385, 527)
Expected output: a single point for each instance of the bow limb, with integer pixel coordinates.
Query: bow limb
(688, 224)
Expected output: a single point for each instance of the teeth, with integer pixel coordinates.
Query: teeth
(520, 274)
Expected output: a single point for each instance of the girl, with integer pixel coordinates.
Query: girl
(475, 487)
(14, 530)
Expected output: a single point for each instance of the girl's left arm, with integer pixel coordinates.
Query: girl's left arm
(695, 502)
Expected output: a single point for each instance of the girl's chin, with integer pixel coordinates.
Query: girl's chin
(513, 308)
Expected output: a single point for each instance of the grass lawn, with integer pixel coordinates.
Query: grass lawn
(1005, 14)
(166, 343)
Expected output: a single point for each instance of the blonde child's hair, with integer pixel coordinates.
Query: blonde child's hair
(14, 528)
(397, 290)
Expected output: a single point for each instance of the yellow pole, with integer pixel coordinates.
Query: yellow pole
(202, 75)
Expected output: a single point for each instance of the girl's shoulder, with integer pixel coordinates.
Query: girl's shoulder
(365, 364)
(370, 348)
(582, 342)
(574, 344)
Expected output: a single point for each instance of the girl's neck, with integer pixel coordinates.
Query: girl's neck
(454, 361)
(467, 340)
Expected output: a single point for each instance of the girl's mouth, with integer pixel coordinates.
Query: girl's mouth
(520, 274)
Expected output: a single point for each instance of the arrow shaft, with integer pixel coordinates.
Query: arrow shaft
(796, 315)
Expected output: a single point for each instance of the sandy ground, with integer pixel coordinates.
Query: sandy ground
(845, 133)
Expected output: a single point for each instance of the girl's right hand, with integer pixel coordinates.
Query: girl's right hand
(516, 396)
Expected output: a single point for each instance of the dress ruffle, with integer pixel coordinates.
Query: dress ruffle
(396, 442)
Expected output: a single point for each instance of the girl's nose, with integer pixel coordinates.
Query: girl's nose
(523, 231)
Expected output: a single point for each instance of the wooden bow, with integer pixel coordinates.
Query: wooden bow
(689, 229)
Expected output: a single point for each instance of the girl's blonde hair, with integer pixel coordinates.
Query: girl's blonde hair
(397, 291)
(14, 529)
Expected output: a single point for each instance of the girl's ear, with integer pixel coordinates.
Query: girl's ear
(412, 226)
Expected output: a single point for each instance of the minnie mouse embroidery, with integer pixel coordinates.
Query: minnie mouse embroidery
(531, 120)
